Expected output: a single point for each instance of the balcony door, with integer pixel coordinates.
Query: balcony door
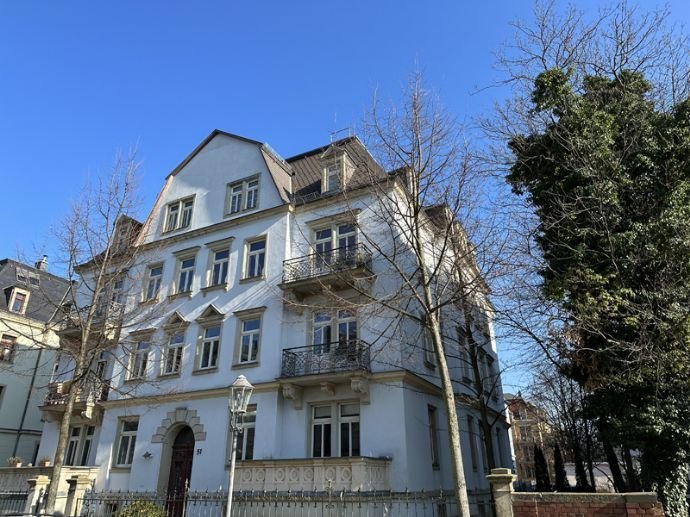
(334, 244)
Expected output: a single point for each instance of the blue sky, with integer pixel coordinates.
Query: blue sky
(81, 79)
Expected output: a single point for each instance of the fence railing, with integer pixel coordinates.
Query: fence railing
(329, 503)
(12, 502)
(339, 356)
(333, 261)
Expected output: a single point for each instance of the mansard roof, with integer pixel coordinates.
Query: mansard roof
(308, 167)
(45, 298)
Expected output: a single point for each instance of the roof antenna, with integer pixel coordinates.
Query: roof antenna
(334, 133)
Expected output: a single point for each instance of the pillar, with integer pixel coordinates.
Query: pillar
(502, 488)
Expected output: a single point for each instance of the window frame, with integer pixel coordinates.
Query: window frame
(8, 347)
(149, 278)
(13, 297)
(337, 162)
(181, 257)
(224, 245)
(432, 415)
(334, 420)
(143, 352)
(178, 350)
(240, 333)
(249, 424)
(245, 186)
(180, 207)
(202, 341)
(248, 254)
(131, 436)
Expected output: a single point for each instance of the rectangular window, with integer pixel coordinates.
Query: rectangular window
(153, 283)
(126, 442)
(139, 360)
(433, 436)
(427, 343)
(219, 267)
(322, 331)
(335, 430)
(7, 346)
(208, 356)
(179, 214)
(18, 301)
(86, 445)
(117, 294)
(333, 173)
(79, 445)
(321, 432)
(250, 337)
(465, 360)
(72, 445)
(242, 195)
(349, 430)
(172, 356)
(185, 275)
(245, 441)
(256, 258)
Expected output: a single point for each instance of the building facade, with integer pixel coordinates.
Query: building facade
(258, 266)
(28, 346)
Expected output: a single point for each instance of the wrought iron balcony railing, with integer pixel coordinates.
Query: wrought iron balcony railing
(339, 356)
(335, 261)
(93, 389)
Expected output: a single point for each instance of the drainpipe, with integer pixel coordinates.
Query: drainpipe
(26, 404)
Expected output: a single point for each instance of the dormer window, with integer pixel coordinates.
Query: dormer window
(333, 175)
(242, 195)
(179, 214)
(18, 301)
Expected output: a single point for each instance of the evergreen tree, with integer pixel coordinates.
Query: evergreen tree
(562, 484)
(541, 470)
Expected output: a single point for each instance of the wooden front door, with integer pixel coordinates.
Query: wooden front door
(180, 471)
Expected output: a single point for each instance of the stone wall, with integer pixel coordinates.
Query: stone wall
(553, 504)
(585, 505)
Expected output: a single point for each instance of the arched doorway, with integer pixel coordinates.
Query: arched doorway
(180, 470)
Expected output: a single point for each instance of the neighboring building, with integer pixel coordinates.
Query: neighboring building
(250, 265)
(30, 298)
(529, 427)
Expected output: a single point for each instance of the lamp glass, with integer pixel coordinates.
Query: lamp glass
(240, 392)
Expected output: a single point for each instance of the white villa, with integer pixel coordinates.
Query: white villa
(256, 265)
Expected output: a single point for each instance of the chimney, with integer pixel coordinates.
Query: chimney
(42, 265)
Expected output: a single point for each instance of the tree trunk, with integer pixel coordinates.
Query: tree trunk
(63, 438)
(612, 459)
(633, 480)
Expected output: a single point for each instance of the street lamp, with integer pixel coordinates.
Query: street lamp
(240, 392)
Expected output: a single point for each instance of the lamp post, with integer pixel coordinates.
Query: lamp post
(240, 392)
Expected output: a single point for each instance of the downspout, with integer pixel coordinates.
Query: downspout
(26, 404)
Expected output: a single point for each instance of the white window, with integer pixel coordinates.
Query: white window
(333, 175)
(427, 343)
(210, 346)
(172, 355)
(117, 294)
(335, 244)
(7, 346)
(326, 325)
(245, 441)
(465, 359)
(126, 442)
(335, 424)
(153, 282)
(139, 360)
(179, 214)
(79, 445)
(219, 267)
(255, 258)
(250, 338)
(242, 195)
(18, 301)
(322, 333)
(185, 274)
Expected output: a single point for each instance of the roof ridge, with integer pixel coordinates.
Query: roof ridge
(321, 148)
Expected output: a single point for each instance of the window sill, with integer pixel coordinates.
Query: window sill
(121, 468)
(205, 371)
(245, 211)
(249, 279)
(429, 364)
(152, 301)
(185, 294)
(136, 380)
(172, 231)
(166, 376)
(435, 466)
(211, 288)
(248, 364)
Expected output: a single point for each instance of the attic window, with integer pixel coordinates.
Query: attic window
(18, 301)
(333, 175)
(242, 195)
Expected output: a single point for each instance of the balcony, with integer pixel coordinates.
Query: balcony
(85, 404)
(345, 356)
(351, 474)
(338, 268)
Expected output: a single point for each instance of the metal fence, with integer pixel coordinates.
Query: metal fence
(329, 503)
(12, 502)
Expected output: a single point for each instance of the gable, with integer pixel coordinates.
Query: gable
(201, 183)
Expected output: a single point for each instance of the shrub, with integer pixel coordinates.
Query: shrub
(142, 509)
